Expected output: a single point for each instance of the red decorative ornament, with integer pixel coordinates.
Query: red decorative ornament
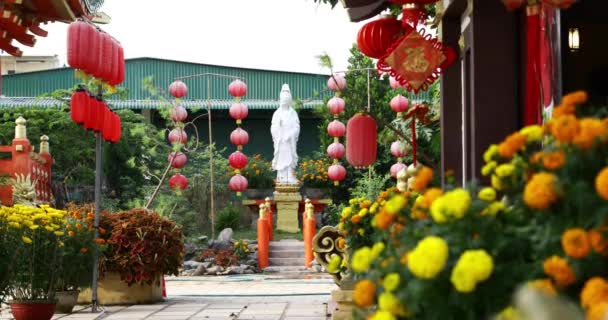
(377, 36)
(336, 129)
(178, 135)
(237, 88)
(75, 56)
(89, 45)
(101, 111)
(238, 111)
(79, 105)
(399, 104)
(178, 89)
(179, 114)
(115, 64)
(91, 113)
(121, 65)
(336, 83)
(237, 160)
(336, 150)
(108, 125)
(516, 4)
(178, 181)
(337, 173)
(336, 105)
(117, 128)
(239, 137)
(179, 159)
(361, 142)
(104, 69)
(395, 168)
(416, 60)
(238, 184)
(398, 149)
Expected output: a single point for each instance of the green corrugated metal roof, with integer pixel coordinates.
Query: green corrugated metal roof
(28, 102)
(263, 85)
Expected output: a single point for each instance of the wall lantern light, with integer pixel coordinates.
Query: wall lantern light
(574, 40)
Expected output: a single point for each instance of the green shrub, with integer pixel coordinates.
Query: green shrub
(228, 217)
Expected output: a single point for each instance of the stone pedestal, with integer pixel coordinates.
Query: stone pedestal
(287, 211)
(345, 304)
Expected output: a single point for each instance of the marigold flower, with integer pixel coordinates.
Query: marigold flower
(422, 179)
(102, 230)
(71, 233)
(597, 312)
(100, 241)
(489, 154)
(84, 250)
(59, 233)
(488, 168)
(472, 267)
(565, 128)
(493, 208)
(340, 243)
(26, 240)
(429, 257)
(391, 282)
(395, 204)
(334, 264)
(554, 160)
(355, 219)
(384, 220)
(533, 133)
(575, 98)
(78, 226)
(487, 194)
(511, 145)
(594, 292)
(453, 204)
(598, 243)
(362, 259)
(389, 302)
(575, 243)
(590, 130)
(364, 293)
(540, 192)
(601, 183)
(559, 270)
(543, 285)
(382, 315)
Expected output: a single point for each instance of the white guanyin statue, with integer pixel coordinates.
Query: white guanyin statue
(285, 131)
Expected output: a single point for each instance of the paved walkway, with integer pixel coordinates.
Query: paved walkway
(248, 297)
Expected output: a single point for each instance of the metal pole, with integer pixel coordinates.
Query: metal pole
(369, 97)
(98, 175)
(212, 187)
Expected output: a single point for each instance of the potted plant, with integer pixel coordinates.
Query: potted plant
(312, 173)
(260, 177)
(33, 237)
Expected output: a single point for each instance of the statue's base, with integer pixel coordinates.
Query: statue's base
(345, 304)
(287, 199)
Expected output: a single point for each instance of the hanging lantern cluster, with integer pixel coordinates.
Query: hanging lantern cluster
(95, 53)
(336, 129)
(239, 137)
(178, 136)
(92, 113)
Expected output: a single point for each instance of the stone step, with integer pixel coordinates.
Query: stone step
(286, 245)
(287, 253)
(287, 269)
(286, 261)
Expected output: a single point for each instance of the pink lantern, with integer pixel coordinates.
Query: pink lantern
(178, 181)
(237, 88)
(394, 83)
(179, 114)
(178, 89)
(237, 160)
(239, 137)
(399, 104)
(337, 173)
(336, 150)
(179, 160)
(238, 111)
(398, 149)
(336, 129)
(336, 83)
(178, 135)
(238, 184)
(396, 168)
(336, 105)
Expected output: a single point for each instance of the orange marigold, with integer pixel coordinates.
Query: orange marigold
(384, 220)
(84, 250)
(71, 233)
(563, 110)
(594, 292)
(540, 192)
(364, 293)
(422, 179)
(78, 226)
(100, 241)
(355, 219)
(544, 285)
(340, 243)
(601, 183)
(597, 312)
(590, 130)
(559, 270)
(537, 157)
(511, 145)
(575, 98)
(575, 243)
(565, 128)
(598, 243)
(554, 160)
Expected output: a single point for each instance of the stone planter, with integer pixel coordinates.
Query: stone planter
(315, 193)
(113, 291)
(257, 194)
(66, 300)
(32, 310)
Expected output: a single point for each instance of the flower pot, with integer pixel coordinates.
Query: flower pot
(258, 193)
(315, 193)
(32, 310)
(113, 291)
(66, 300)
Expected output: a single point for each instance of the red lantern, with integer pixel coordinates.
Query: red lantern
(90, 49)
(75, 57)
(394, 83)
(179, 114)
(336, 105)
(113, 79)
(337, 173)
(239, 112)
(104, 69)
(121, 64)
(101, 112)
(398, 149)
(336, 83)
(91, 113)
(238, 183)
(178, 89)
(108, 125)
(361, 141)
(178, 181)
(377, 36)
(396, 168)
(179, 159)
(78, 106)
(178, 135)
(336, 150)
(399, 104)
(237, 160)
(336, 129)
(239, 137)
(117, 128)
(237, 88)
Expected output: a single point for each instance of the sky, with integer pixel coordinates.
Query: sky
(262, 34)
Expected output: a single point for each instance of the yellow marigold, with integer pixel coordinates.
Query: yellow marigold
(559, 270)
(395, 204)
(488, 168)
(346, 212)
(554, 160)
(511, 145)
(382, 315)
(594, 292)
(391, 282)
(428, 258)
(389, 302)
(575, 243)
(489, 154)
(590, 130)
(453, 204)
(540, 192)
(362, 259)
(26, 240)
(473, 267)
(493, 208)
(364, 294)
(497, 182)
(422, 179)
(565, 128)
(505, 170)
(601, 183)
(533, 133)
(543, 285)
(508, 313)
(598, 242)
(575, 98)
(487, 194)
(334, 264)
(377, 249)
(597, 312)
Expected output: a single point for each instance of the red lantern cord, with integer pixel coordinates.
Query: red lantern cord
(414, 140)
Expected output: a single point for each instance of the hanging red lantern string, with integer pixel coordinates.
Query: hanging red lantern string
(336, 129)
(238, 137)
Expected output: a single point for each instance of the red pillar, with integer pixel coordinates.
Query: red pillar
(263, 238)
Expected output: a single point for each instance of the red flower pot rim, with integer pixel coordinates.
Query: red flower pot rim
(35, 301)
